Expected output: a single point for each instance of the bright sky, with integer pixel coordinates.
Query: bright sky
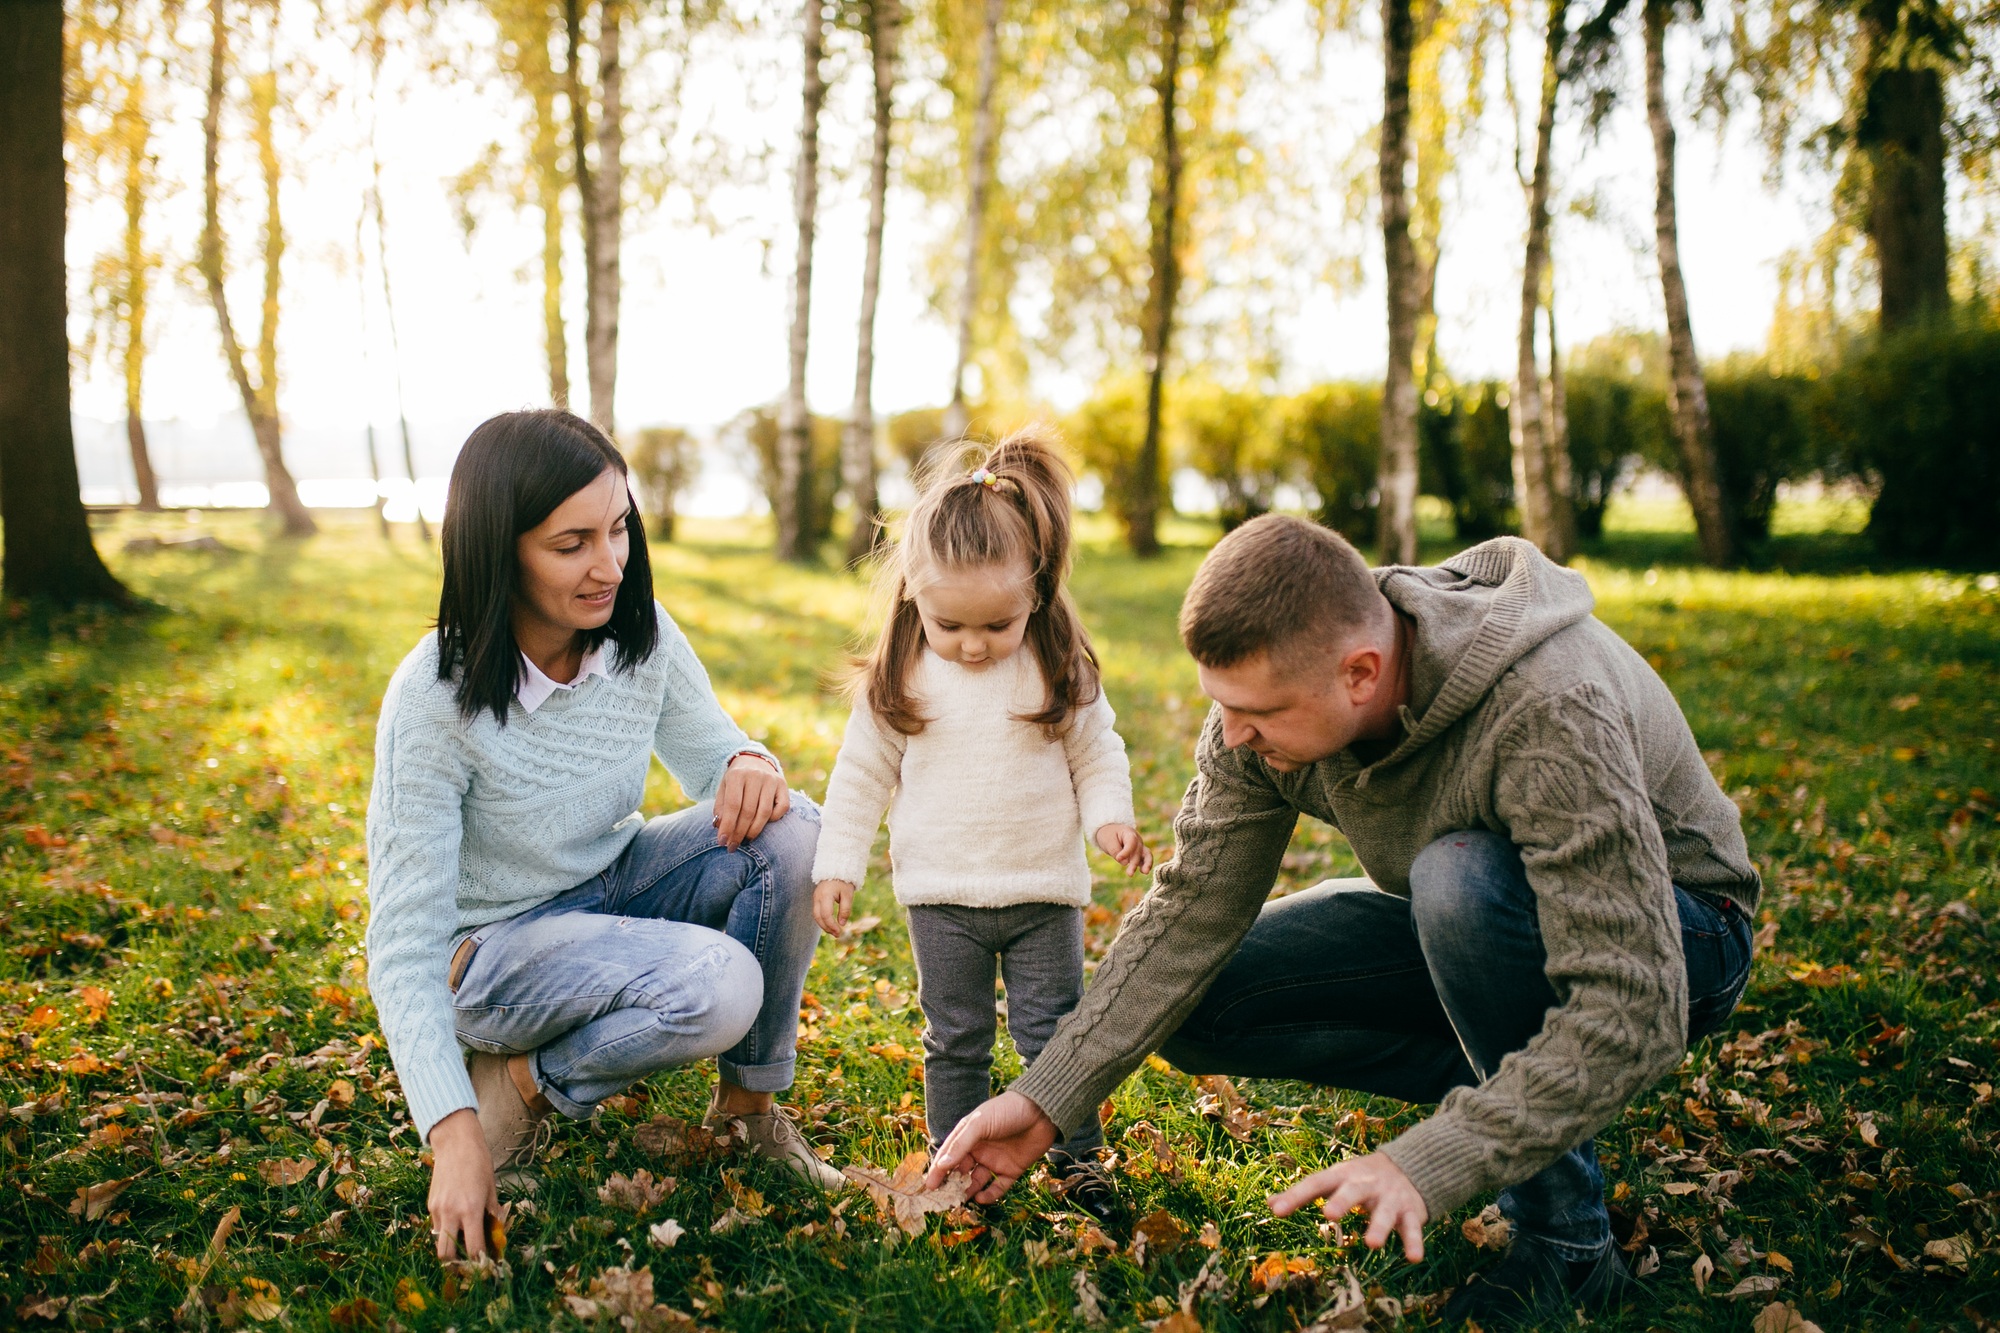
(704, 318)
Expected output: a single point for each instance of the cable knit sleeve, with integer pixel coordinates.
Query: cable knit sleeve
(1097, 768)
(1569, 787)
(865, 775)
(415, 827)
(1229, 837)
(695, 738)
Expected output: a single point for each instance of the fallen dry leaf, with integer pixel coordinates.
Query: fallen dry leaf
(860, 926)
(260, 1300)
(1277, 1270)
(677, 1141)
(1782, 1317)
(341, 1093)
(285, 1171)
(357, 1313)
(626, 1298)
(1156, 1233)
(639, 1192)
(901, 1197)
(1178, 1322)
(1221, 1103)
(1489, 1230)
(1953, 1250)
(734, 1219)
(666, 1234)
(1704, 1269)
(94, 1201)
(1211, 1235)
(1761, 1285)
(1089, 1300)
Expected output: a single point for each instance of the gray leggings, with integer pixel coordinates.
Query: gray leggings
(1040, 951)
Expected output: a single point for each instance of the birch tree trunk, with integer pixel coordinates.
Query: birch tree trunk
(1526, 417)
(395, 341)
(135, 141)
(259, 398)
(1398, 474)
(1687, 390)
(1562, 481)
(979, 175)
(794, 424)
(602, 215)
(48, 552)
(1142, 506)
(545, 151)
(883, 19)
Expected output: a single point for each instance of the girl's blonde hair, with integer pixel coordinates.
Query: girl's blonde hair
(1011, 506)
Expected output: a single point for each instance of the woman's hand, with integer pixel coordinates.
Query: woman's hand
(463, 1194)
(833, 899)
(1122, 843)
(752, 794)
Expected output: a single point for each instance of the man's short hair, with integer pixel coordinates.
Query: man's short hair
(1278, 585)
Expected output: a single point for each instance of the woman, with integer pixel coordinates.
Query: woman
(520, 906)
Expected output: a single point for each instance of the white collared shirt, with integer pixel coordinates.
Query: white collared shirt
(536, 687)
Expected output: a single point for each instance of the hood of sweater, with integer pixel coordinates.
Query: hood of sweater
(1474, 617)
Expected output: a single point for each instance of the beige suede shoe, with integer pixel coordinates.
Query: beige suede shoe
(512, 1114)
(774, 1135)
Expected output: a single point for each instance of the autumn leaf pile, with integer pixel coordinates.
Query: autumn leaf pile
(202, 1129)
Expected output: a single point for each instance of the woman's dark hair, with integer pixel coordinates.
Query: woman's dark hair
(513, 471)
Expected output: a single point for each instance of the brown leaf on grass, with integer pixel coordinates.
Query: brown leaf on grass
(1763, 1284)
(327, 1230)
(1812, 974)
(1150, 1137)
(357, 1313)
(1704, 1269)
(1954, 1251)
(1489, 1230)
(46, 1307)
(901, 1197)
(1178, 1322)
(283, 1171)
(411, 1298)
(1156, 1233)
(624, 1299)
(639, 1192)
(94, 1201)
(1277, 1271)
(1782, 1317)
(341, 1093)
(678, 1142)
(260, 1300)
(1211, 1235)
(96, 1002)
(860, 926)
(1089, 1300)
(1221, 1103)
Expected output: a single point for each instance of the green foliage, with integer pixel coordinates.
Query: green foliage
(1334, 432)
(665, 461)
(1762, 438)
(183, 987)
(1107, 432)
(758, 428)
(1227, 436)
(1466, 458)
(1922, 411)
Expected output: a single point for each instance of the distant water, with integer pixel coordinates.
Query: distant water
(214, 464)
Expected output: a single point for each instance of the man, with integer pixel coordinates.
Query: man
(1558, 895)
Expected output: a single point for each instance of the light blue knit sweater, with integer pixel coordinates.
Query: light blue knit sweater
(473, 822)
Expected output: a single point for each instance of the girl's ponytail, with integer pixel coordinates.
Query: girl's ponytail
(1009, 505)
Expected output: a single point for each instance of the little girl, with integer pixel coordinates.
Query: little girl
(992, 762)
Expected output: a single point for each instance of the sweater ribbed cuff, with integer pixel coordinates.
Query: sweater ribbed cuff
(1064, 1086)
(435, 1091)
(836, 866)
(1443, 1160)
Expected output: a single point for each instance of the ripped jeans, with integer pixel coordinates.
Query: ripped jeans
(679, 950)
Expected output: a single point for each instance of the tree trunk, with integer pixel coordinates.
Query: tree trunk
(1526, 416)
(979, 176)
(259, 399)
(1562, 483)
(1142, 504)
(1901, 131)
(1398, 514)
(395, 342)
(603, 206)
(858, 453)
(48, 553)
(795, 479)
(1687, 390)
(546, 153)
(135, 138)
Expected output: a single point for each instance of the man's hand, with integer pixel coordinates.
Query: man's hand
(833, 899)
(1122, 843)
(999, 1141)
(1374, 1185)
(463, 1195)
(752, 794)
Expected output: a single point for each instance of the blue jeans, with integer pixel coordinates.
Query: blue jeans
(1350, 987)
(679, 950)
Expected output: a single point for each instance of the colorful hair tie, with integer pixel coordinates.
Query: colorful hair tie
(984, 478)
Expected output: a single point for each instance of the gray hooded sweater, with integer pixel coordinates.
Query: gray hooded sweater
(1529, 717)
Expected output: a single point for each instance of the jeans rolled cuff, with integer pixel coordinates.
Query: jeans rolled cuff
(774, 1077)
(1570, 1251)
(569, 1106)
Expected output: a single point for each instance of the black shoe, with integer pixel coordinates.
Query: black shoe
(1532, 1282)
(1084, 1184)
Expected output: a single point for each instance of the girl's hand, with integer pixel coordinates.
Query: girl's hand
(833, 899)
(1122, 843)
(752, 794)
(463, 1196)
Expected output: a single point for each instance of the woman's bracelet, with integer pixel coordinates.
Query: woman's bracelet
(776, 767)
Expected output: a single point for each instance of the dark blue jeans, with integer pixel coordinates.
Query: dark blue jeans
(1350, 987)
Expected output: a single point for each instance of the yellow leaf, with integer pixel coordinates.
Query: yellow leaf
(1776, 1260)
(341, 1094)
(260, 1300)
(411, 1298)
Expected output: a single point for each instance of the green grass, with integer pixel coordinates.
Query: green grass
(182, 906)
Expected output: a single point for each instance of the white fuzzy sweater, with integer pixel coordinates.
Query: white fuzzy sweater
(984, 809)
